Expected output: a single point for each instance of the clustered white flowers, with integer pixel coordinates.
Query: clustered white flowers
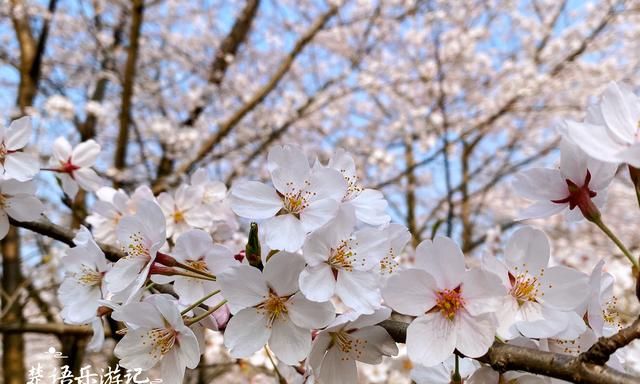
(320, 271)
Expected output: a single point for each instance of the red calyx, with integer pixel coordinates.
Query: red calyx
(580, 196)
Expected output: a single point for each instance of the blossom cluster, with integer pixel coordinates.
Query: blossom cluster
(321, 271)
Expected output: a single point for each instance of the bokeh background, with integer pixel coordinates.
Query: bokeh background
(440, 102)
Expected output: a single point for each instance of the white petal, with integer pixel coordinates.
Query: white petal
(371, 207)
(24, 207)
(21, 166)
(630, 155)
(88, 179)
(617, 115)
(359, 290)
(564, 288)
(69, 185)
(573, 162)
(440, 334)
(410, 292)
(308, 314)
(243, 286)
(287, 164)
(189, 348)
(376, 343)
(596, 140)
(135, 354)
(442, 259)
(18, 134)
(246, 332)
(327, 183)
(192, 245)
(281, 272)
(371, 245)
(540, 184)
(61, 149)
(376, 317)
(527, 249)
(475, 333)
(541, 209)
(289, 342)
(85, 153)
(254, 200)
(338, 369)
(317, 283)
(482, 291)
(284, 232)
(318, 213)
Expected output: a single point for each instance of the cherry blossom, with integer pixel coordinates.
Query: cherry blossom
(111, 206)
(14, 163)
(84, 286)
(369, 205)
(269, 308)
(442, 373)
(601, 312)
(580, 182)
(156, 334)
(344, 264)
(183, 211)
(349, 338)
(303, 199)
(611, 130)
(542, 300)
(18, 201)
(140, 236)
(195, 248)
(73, 165)
(453, 305)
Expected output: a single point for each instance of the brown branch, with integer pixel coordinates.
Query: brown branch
(59, 329)
(229, 47)
(504, 357)
(120, 158)
(226, 126)
(600, 352)
(64, 235)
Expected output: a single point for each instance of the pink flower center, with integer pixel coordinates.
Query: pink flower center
(162, 340)
(525, 288)
(449, 302)
(68, 167)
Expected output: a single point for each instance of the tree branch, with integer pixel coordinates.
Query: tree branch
(226, 126)
(504, 357)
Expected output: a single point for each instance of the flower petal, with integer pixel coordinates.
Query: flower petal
(254, 200)
(246, 332)
(442, 259)
(243, 286)
(309, 314)
(85, 153)
(410, 292)
(317, 283)
(284, 232)
(281, 272)
(289, 342)
(440, 334)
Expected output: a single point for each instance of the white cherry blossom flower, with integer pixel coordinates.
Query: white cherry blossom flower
(453, 305)
(268, 307)
(73, 165)
(84, 286)
(302, 201)
(581, 182)
(442, 373)
(195, 248)
(349, 338)
(611, 131)
(140, 236)
(369, 205)
(183, 211)
(156, 334)
(344, 264)
(601, 313)
(541, 299)
(18, 201)
(14, 163)
(398, 236)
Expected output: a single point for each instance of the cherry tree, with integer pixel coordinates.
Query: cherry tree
(322, 183)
